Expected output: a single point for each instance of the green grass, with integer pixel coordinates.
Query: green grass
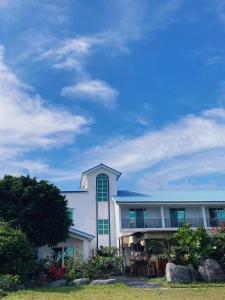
(163, 283)
(121, 292)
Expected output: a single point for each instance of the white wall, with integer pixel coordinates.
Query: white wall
(84, 207)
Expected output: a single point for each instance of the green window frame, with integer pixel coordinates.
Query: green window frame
(103, 226)
(70, 213)
(102, 188)
(60, 254)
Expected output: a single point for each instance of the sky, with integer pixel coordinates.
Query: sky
(138, 85)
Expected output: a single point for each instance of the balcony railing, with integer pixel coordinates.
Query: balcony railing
(157, 223)
(215, 222)
(140, 223)
(194, 222)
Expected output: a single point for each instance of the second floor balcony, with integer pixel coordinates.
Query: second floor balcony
(170, 223)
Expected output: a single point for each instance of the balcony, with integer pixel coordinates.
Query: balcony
(168, 223)
(140, 223)
(215, 222)
(194, 222)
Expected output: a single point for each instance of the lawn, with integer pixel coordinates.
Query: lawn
(120, 291)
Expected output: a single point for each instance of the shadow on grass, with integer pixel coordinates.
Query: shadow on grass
(59, 290)
(73, 289)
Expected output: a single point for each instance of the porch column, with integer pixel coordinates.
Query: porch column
(118, 223)
(204, 216)
(162, 216)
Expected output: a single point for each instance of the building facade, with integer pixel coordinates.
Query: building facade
(105, 216)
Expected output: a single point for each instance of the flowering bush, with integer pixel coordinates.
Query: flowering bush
(56, 271)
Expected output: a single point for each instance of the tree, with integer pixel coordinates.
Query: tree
(37, 207)
(16, 253)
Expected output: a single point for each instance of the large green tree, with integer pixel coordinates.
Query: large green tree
(37, 207)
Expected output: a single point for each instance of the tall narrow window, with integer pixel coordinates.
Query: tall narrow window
(102, 187)
(103, 226)
(70, 213)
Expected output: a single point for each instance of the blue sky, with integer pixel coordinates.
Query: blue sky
(138, 85)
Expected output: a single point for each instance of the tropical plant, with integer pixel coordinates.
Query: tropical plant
(192, 246)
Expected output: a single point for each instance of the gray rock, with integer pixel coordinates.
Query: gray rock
(104, 281)
(79, 281)
(210, 270)
(58, 283)
(180, 274)
(193, 274)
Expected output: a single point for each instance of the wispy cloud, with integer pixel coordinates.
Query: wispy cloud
(195, 139)
(177, 171)
(131, 21)
(95, 90)
(27, 123)
(215, 60)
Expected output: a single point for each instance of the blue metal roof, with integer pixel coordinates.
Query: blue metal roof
(125, 193)
(69, 192)
(170, 197)
(80, 233)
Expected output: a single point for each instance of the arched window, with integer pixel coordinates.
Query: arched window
(102, 187)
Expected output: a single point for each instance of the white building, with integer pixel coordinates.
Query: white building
(105, 216)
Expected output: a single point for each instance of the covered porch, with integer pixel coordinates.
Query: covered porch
(142, 253)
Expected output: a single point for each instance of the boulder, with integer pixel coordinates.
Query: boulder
(79, 281)
(193, 273)
(210, 270)
(104, 281)
(58, 283)
(180, 274)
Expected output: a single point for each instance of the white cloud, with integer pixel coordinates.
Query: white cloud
(131, 21)
(194, 140)
(173, 172)
(27, 123)
(95, 90)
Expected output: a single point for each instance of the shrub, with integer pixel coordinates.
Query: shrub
(56, 271)
(76, 267)
(192, 247)
(218, 248)
(9, 282)
(105, 262)
(101, 265)
(16, 253)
